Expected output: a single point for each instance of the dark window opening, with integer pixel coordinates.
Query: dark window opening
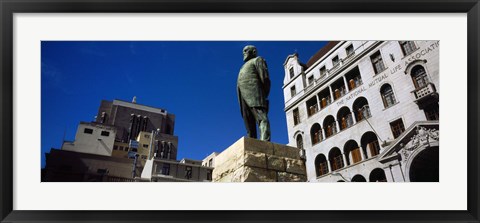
(387, 96)
(296, 116)
(397, 128)
(408, 47)
(377, 62)
(291, 72)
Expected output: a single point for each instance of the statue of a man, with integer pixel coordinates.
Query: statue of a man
(253, 87)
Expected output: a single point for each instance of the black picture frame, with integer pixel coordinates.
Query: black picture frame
(9, 7)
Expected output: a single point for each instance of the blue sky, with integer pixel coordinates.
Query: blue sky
(195, 80)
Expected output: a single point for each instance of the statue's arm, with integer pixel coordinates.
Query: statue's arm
(262, 70)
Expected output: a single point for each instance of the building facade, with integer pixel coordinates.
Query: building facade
(185, 170)
(92, 138)
(125, 142)
(366, 111)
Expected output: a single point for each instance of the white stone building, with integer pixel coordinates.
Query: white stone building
(366, 111)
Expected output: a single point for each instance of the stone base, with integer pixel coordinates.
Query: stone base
(252, 160)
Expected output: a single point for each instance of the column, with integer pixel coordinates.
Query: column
(346, 84)
(354, 118)
(323, 134)
(338, 125)
(388, 174)
(345, 158)
(364, 157)
(331, 94)
(330, 165)
(318, 102)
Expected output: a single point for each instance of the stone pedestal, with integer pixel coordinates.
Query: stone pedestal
(252, 160)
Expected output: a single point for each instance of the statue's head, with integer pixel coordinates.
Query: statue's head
(249, 52)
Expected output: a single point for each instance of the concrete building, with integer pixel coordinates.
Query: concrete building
(185, 170)
(209, 161)
(366, 111)
(92, 138)
(69, 166)
(130, 118)
(124, 139)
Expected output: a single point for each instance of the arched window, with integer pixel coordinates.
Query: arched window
(358, 178)
(316, 133)
(329, 126)
(321, 165)
(344, 117)
(336, 159)
(377, 175)
(299, 142)
(361, 109)
(419, 77)
(370, 144)
(387, 95)
(352, 151)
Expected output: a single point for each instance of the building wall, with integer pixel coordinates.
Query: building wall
(177, 171)
(396, 64)
(68, 166)
(93, 139)
(209, 161)
(118, 113)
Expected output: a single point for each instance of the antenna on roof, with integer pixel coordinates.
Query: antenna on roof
(134, 100)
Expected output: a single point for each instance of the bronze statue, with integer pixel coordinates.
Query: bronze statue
(253, 87)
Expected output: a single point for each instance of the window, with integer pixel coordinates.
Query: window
(210, 162)
(88, 131)
(310, 80)
(387, 95)
(335, 61)
(349, 50)
(165, 169)
(323, 168)
(105, 133)
(188, 172)
(300, 142)
(374, 148)
(323, 71)
(377, 62)
(431, 112)
(293, 91)
(209, 174)
(363, 112)
(419, 77)
(147, 136)
(397, 128)
(407, 47)
(291, 72)
(115, 147)
(356, 155)
(145, 146)
(337, 162)
(316, 133)
(296, 117)
(312, 106)
(144, 157)
(321, 165)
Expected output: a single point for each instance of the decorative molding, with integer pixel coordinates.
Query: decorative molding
(423, 137)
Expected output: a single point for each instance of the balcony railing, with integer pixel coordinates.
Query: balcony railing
(424, 91)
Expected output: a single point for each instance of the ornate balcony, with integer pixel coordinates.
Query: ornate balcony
(425, 95)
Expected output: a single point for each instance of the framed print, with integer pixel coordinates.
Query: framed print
(102, 100)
